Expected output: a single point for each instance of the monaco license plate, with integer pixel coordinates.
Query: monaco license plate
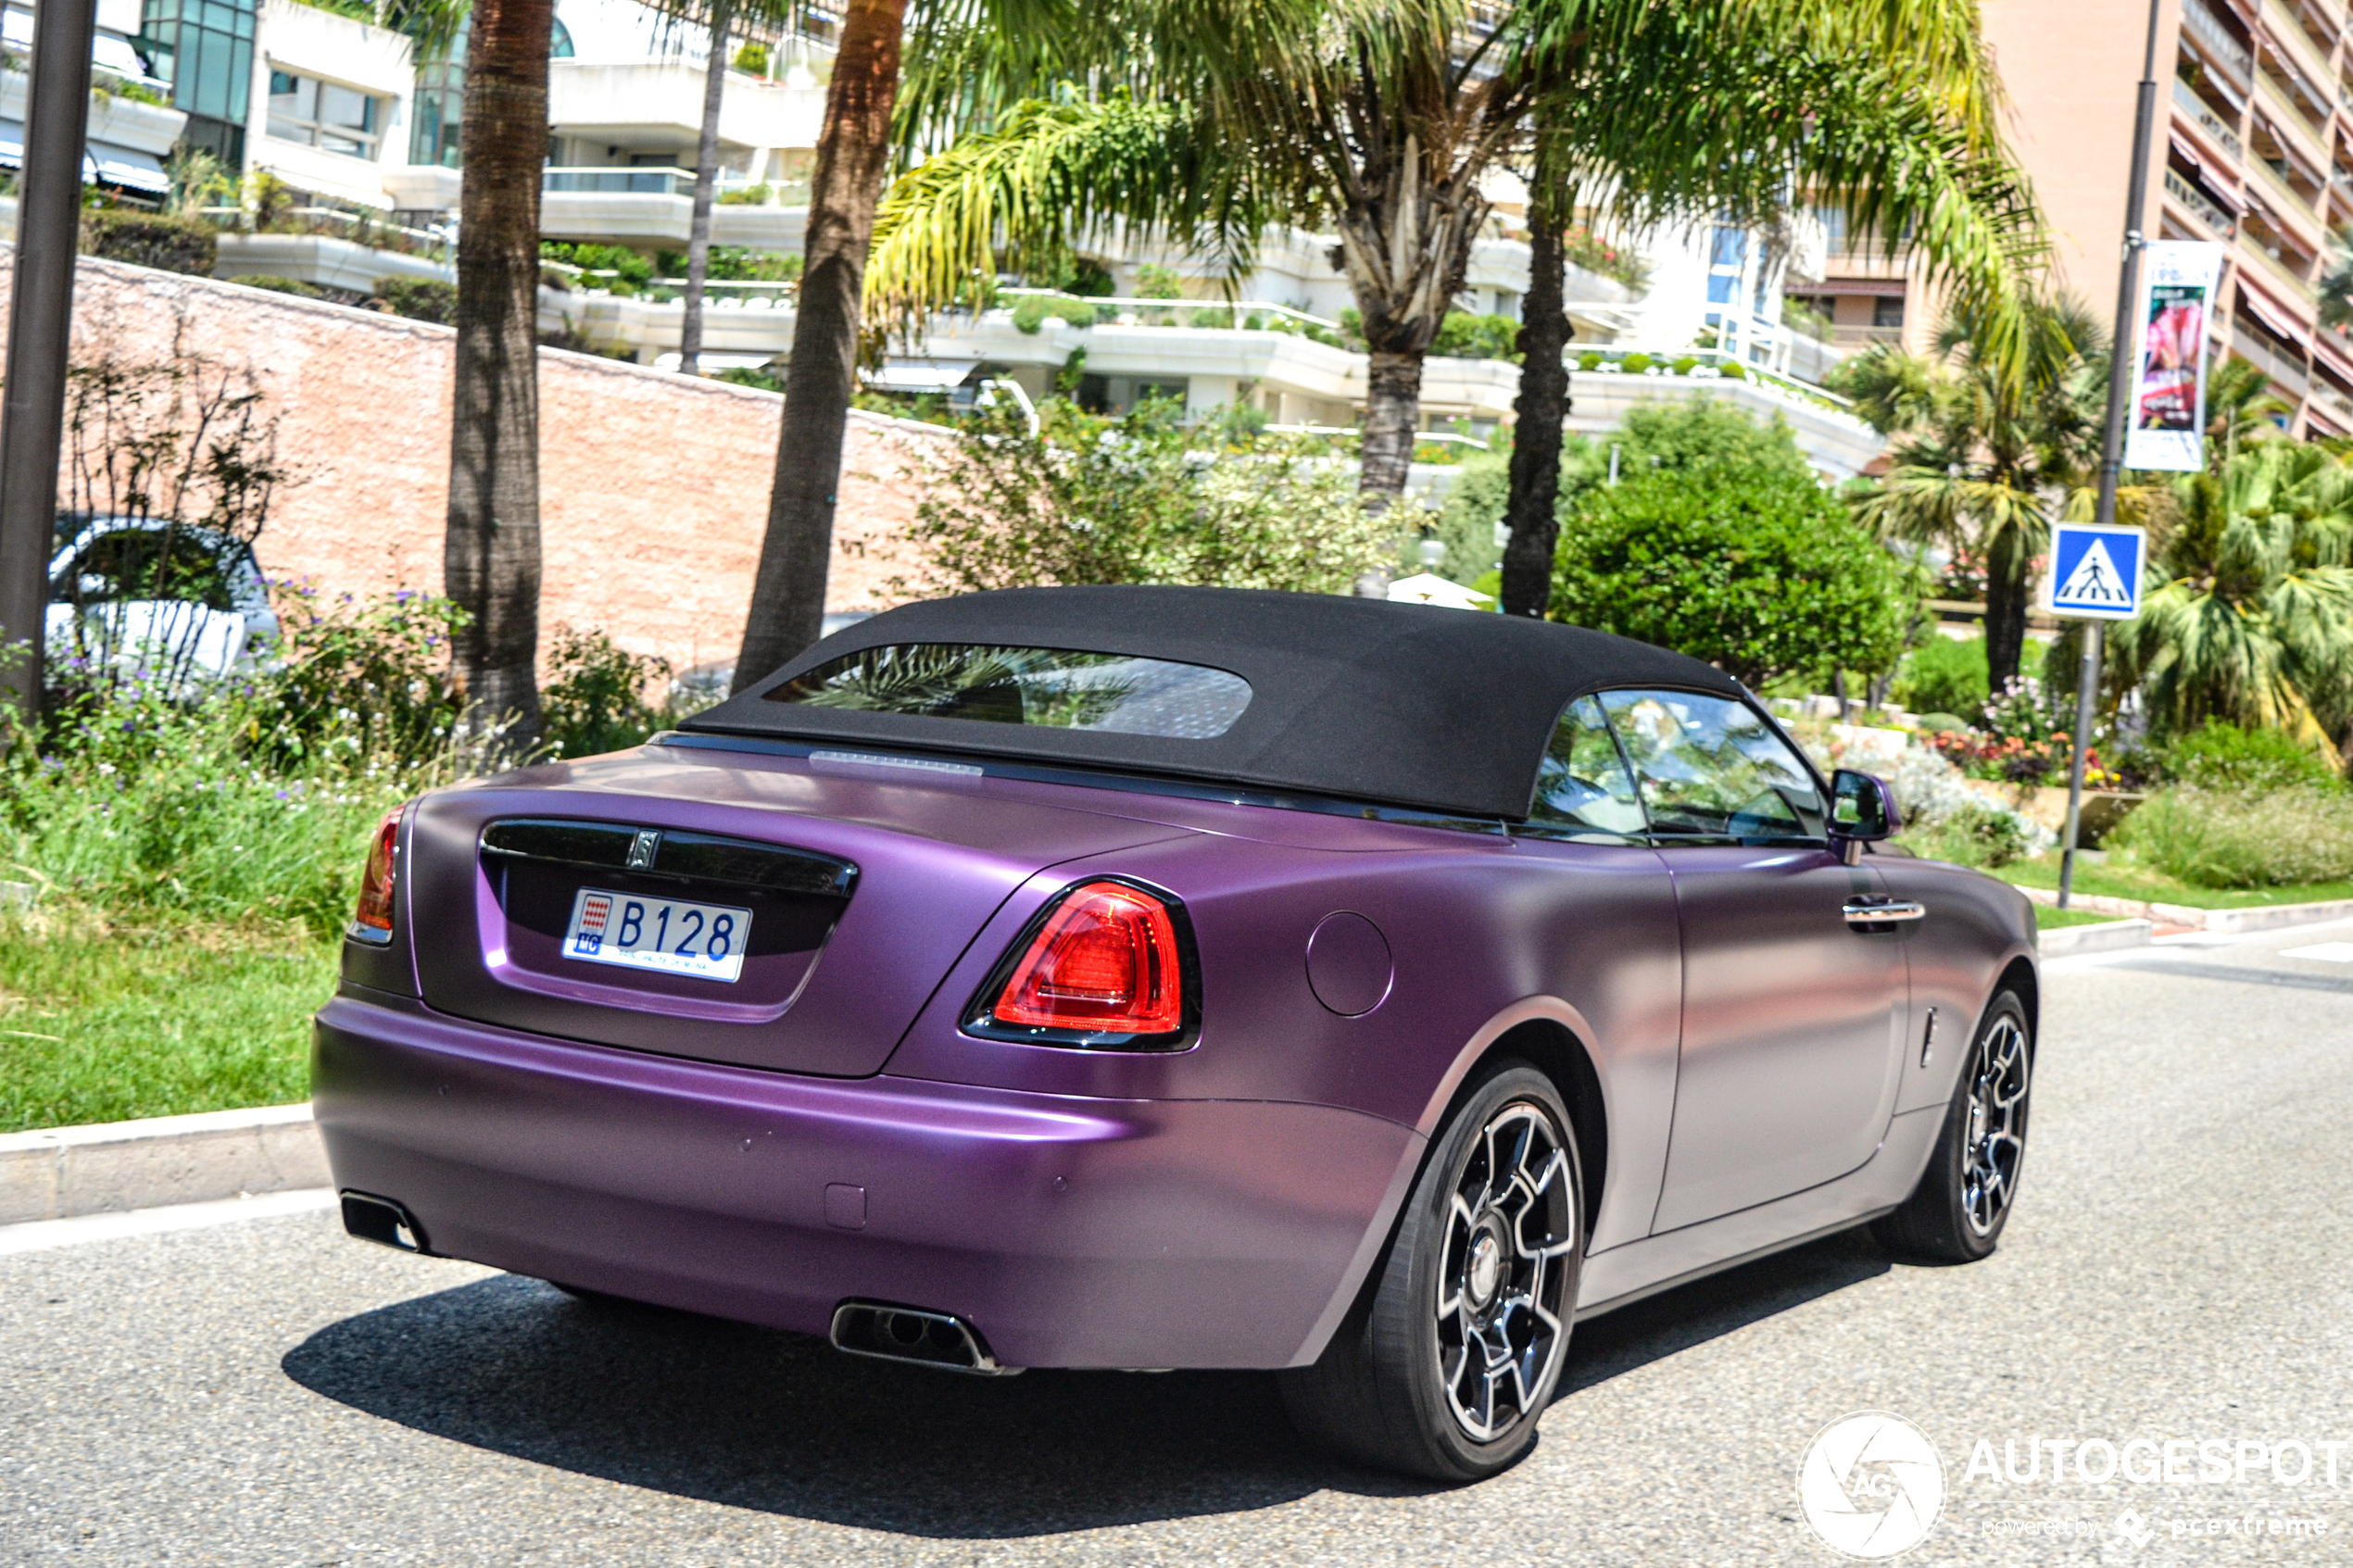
(669, 934)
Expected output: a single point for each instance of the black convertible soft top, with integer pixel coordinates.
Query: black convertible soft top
(1402, 704)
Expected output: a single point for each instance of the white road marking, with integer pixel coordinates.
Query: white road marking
(2327, 952)
(34, 1235)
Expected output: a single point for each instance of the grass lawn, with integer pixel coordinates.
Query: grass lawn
(98, 1026)
(2046, 918)
(2119, 878)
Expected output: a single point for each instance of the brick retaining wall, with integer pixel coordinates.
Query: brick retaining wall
(654, 488)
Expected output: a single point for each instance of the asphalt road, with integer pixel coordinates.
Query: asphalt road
(2179, 1267)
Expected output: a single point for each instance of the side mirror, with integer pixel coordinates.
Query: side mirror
(1863, 810)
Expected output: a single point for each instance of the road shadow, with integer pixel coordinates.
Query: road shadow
(782, 1423)
(1678, 1319)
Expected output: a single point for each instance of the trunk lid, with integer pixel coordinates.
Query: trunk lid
(863, 892)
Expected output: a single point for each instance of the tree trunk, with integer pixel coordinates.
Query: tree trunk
(853, 154)
(491, 553)
(706, 189)
(1536, 439)
(1392, 414)
(2007, 590)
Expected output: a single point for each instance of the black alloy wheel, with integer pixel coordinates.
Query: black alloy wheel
(1455, 1346)
(1964, 1199)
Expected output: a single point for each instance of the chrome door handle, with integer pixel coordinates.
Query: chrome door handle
(1862, 911)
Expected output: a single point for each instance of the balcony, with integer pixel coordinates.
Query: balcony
(2211, 124)
(2194, 201)
(2287, 376)
(2296, 49)
(2208, 29)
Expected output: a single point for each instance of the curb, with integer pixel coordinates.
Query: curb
(2065, 941)
(2227, 923)
(64, 1173)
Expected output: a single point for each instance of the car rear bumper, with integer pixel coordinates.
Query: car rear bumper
(1076, 1233)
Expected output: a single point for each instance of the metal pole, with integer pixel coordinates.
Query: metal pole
(40, 327)
(2120, 391)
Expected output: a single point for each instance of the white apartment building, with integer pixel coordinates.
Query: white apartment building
(338, 110)
(128, 137)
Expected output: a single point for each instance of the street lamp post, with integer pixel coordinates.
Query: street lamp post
(40, 327)
(2120, 391)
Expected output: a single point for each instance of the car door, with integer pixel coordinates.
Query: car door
(1612, 947)
(1792, 1013)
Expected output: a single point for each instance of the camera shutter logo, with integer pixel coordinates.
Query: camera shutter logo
(1872, 1485)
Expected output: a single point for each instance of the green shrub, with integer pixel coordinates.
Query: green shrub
(2240, 838)
(150, 239)
(595, 700)
(1733, 369)
(279, 286)
(1757, 572)
(1635, 364)
(2224, 757)
(1974, 835)
(1465, 336)
(1588, 361)
(1941, 723)
(420, 299)
(1943, 675)
(1686, 365)
(1136, 499)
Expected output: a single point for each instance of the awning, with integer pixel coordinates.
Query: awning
(1891, 288)
(921, 375)
(2274, 316)
(127, 167)
(102, 161)
(2185, 150)
(2334, 354)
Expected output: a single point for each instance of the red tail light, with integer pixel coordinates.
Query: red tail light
(1106, 960)
(374, 914)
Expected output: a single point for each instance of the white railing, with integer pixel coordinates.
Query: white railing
(2209, 31)
(1445, 438)
(1241, 310)
(360, 228)
(2207, 121)
(2183, 192)
(608, 180)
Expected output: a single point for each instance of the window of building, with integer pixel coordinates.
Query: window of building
(205, 49)
(325, 115)
(1887, 310)
(436, 113)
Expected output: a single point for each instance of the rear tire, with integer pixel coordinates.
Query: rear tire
(1956, 1214)
(1443, 1365)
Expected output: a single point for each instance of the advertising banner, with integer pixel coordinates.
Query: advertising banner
(2165, 427)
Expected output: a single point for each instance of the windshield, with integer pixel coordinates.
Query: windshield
(1060, 688)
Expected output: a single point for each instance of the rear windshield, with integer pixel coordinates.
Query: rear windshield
(1059, 687)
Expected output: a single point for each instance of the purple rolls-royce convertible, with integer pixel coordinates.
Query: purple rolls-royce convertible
(1169, 977)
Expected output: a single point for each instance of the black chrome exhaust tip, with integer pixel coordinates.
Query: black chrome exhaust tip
(910, 1334)
(381, 1220)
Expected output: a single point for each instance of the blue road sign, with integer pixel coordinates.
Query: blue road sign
(2097, 571)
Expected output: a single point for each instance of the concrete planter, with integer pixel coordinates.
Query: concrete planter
(2046, 805)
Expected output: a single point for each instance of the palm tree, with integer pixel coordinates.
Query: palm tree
(853, 155)
(1979, 458)
(2254, 623)
(490, 558)
(1382, 123)
(722, 16)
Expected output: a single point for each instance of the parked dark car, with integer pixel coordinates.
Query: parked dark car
(1158, 977)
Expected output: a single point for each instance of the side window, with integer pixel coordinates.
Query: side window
(1583, 792)
(1711, 769)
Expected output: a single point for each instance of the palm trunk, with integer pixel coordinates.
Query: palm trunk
(1536, 441)
(2007, 591)
(491, 552)
(853, 154)
(1392, 416)
(706, 188)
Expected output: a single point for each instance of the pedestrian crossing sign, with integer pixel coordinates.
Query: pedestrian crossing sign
(2097, 571)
